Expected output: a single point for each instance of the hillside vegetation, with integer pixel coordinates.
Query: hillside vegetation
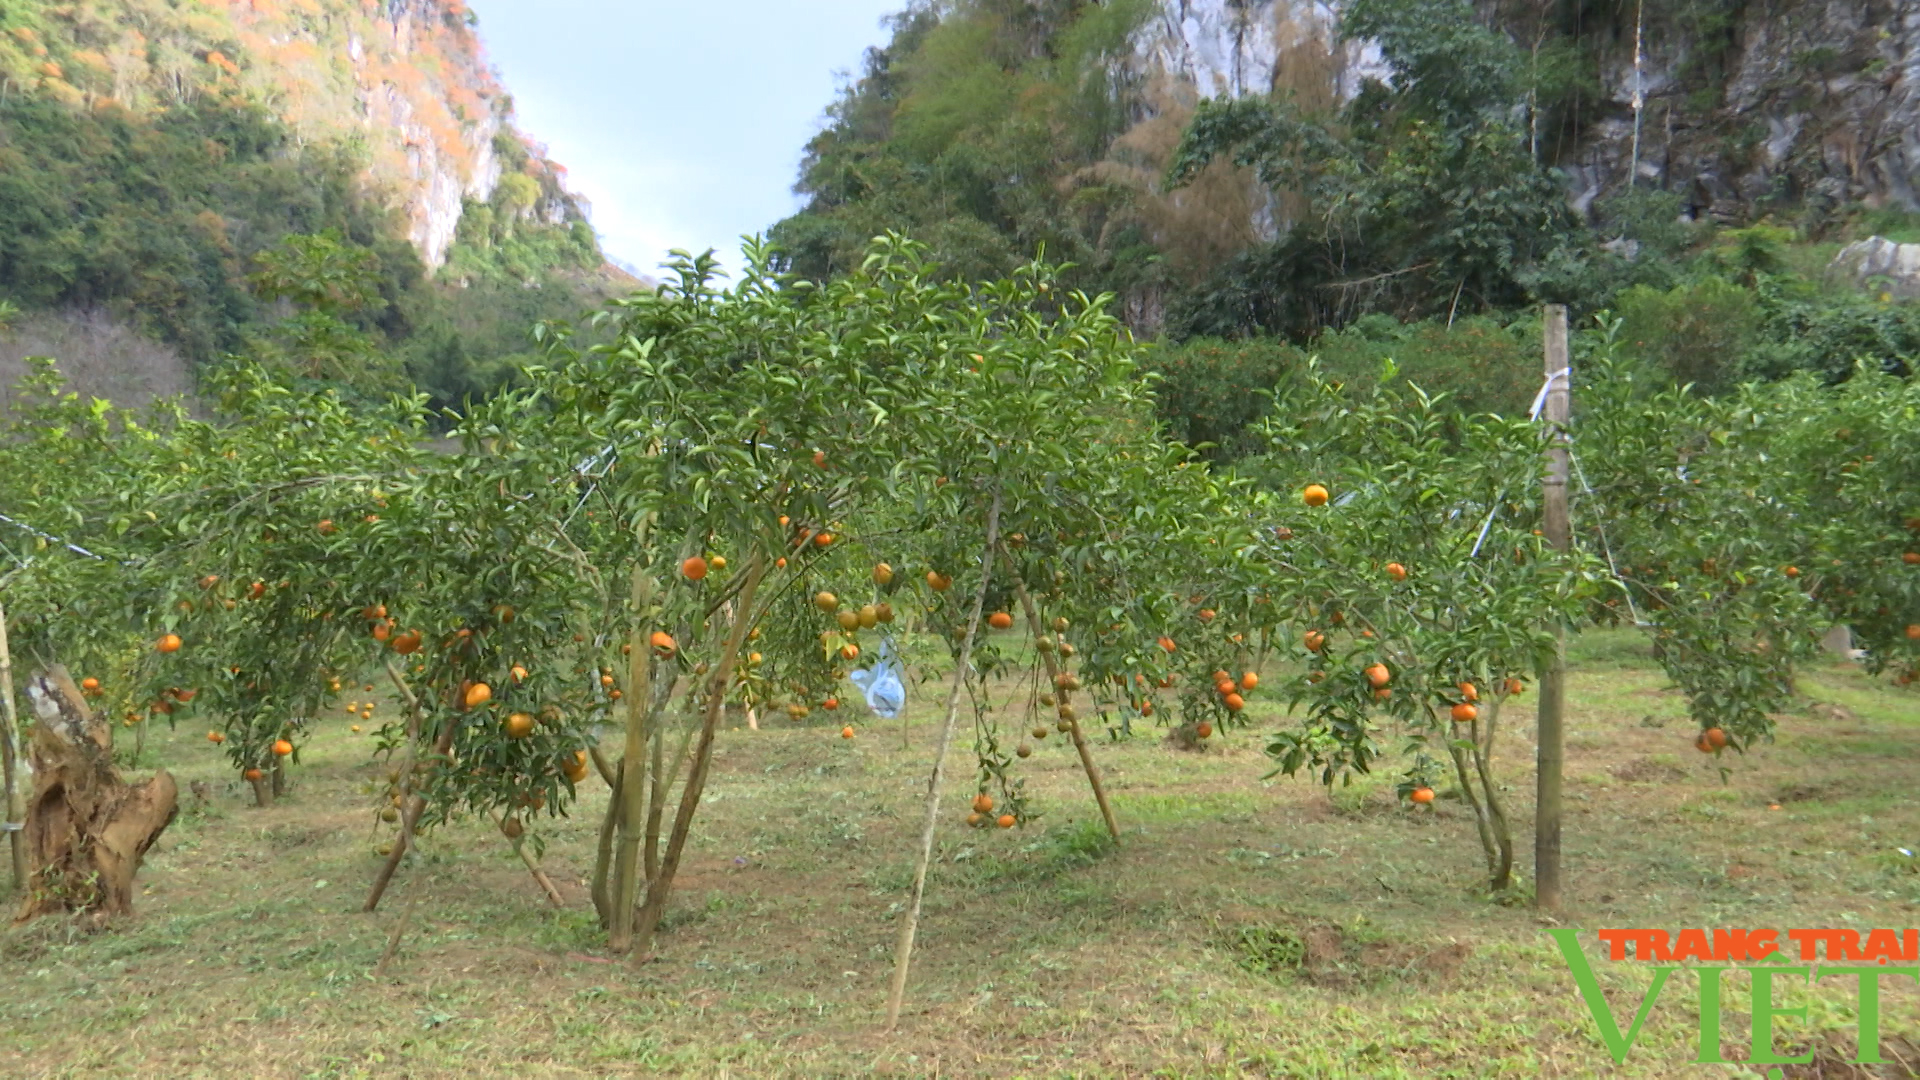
(156, 160)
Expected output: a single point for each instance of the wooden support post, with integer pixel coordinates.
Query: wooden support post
(910, 919)
(1550, 757)
(626, 858)
(1053, 679)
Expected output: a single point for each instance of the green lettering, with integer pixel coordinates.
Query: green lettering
(1710, 1016)
(1867, 1044)
(1764, 1012)
(1589, 984)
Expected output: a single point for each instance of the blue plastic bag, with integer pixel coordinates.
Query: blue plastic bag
(882, 683)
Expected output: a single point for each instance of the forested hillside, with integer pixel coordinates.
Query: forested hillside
(337, 188)
(1394, 177)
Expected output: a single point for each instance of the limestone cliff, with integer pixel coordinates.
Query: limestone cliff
(406, 79)
(1743, 106)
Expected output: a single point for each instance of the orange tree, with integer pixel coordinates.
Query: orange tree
(1747, 524)
(1417, 589)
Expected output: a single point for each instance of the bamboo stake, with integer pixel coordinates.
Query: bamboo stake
(626, 858)
(1550, 757)
(519, 844)
(17, 769)
(910, 924)
(662, 883)
(1053, 679)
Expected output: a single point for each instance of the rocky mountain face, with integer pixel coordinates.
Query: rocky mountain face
(1741, 105)
(407, 79)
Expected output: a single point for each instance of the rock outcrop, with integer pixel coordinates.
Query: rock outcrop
(1877, 260)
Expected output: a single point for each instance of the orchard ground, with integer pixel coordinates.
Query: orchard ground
(1242, 927)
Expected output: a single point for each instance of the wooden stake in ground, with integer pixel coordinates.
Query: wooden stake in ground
(1550, 758)
(661, 884)
(1053, 679)
(910, 920)
(87, 829)
(17, 777)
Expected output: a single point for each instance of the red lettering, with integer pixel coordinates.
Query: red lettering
(1912, 938)
(1808, 941)
(1691, 945)
(1652, 945)
(1762, 944)
(1844, 945)
(1882, 946)
(1616, 943)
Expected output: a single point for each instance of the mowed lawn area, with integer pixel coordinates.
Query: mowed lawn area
(1243, 926)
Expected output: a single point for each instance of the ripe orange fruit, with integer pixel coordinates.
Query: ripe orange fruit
(1206, 614)
(1465, 713)
(519, 726)
(1421, 795)
(882, 574)
(1382, 693)
(1000, 620)
(847, 732)
(1913, 631)
(819, 459)
(406, 643)
(784, 521)
(662, 641)
(1792, 571)
(1378, 675)
(1006, 821)
(606, 680)
(830, 704)
(1515, 686)
(1701, 744)
(182, 696)
(477, 695)
(215, 737)
(848, 619)
(1167, 644)
(326, 527)
(355, 729)
(1223, 687)
(1469, 691)
(1314, 495)
(210, 581)
(256, 590)
(1234, 702)
(780, 564)
(938, 581)
(252, 775)
(281, 747)
(983, 803)
(868, 616)
(694, 569)
(1716, 737)
(1911, 558)
(976, 820)
(1204, 730)
(519, 673)
(1314, 640)
(826, 601)
(168, 643)
(849, 651)
(89, 684)
(382, 630)
(1396, 571)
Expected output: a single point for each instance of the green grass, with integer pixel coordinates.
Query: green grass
(1240, 927)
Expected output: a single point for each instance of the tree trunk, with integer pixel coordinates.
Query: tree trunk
(87, 830)
(18, 778)
(661, 885)
(631, 806)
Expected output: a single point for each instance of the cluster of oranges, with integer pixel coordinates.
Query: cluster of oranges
(983, 816)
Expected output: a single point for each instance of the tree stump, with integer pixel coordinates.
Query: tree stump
(86, 828)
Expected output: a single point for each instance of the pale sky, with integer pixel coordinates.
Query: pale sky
(682, 123)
